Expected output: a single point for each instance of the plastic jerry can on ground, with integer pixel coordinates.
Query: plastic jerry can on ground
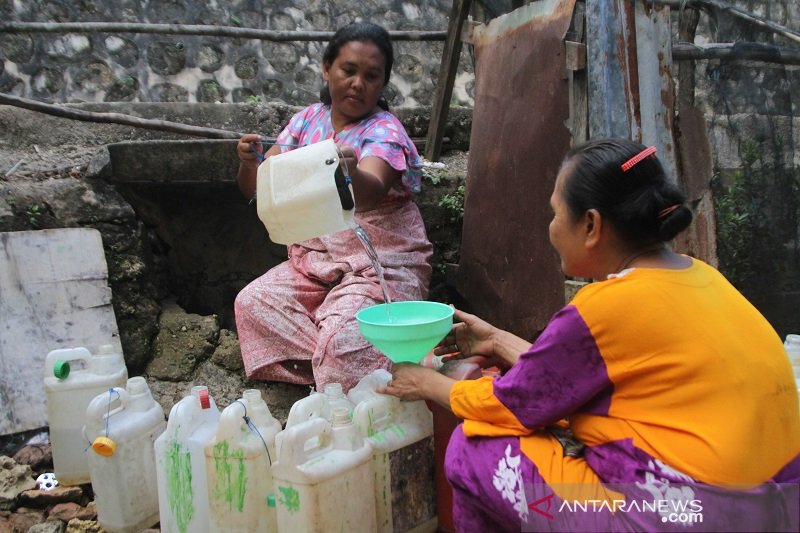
(122, 425)
(792, 346)
(319, 404)
(181, 463)
(238, 459)
(73, 377)
(401, 435)
(323, 477)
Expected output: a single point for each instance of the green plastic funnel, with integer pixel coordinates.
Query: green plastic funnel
(406, 331)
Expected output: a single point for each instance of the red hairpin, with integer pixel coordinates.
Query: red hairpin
(633, 161)
(667, 210)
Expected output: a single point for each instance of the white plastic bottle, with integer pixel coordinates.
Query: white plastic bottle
(122, 425)
(73, 377)
(238, 460)
(323, 477)
(397, 431)
(181, 463)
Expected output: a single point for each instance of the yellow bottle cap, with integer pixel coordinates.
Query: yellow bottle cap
(104, 446)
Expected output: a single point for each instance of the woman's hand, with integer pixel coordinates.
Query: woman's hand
(348, 161)
(249, 149)
(414, 382)
(251, 153)
(472, 336)
(372, 177)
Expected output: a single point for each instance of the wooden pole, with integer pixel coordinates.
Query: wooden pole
(116, 118)
(743, 51)
(196, 29)
(736, 12)
(447, 77)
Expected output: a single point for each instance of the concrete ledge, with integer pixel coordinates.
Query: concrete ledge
(169, 162)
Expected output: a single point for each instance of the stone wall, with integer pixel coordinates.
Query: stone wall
(131, 67)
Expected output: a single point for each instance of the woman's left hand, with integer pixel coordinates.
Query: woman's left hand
(408, 381)
(414, 382)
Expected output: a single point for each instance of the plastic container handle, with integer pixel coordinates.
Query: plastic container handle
(292, 450)
(66, 354)
(99, 408)
(369, 414)
(314, 406)
(186, 409)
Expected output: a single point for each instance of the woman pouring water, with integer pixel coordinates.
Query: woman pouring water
(296, 323)
(658, 399)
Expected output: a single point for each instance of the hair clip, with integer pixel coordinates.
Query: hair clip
(633, 161)
(667, 210)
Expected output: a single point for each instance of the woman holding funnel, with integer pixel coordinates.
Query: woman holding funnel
(296, 323)
(657, 399)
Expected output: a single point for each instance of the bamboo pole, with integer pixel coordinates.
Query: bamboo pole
(196, 29)
(743, 51)
(736, 12)
(117, 118)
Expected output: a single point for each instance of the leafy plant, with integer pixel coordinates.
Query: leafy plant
(253, 99)
(34, 215)
(453, 203)
(434, 175)
(757, 220)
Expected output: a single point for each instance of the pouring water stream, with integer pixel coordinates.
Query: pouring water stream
(373, 257)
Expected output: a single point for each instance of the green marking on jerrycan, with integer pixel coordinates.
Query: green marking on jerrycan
(230, 486)
(290, 498)
(179, 484)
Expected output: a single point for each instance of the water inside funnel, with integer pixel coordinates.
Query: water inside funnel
(373, 257)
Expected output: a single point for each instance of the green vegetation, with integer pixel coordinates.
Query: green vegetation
(453, 203)
(34, 215)
(758, 211)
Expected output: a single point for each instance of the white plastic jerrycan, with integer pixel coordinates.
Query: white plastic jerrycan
(181, 463)
(238, 459)
(401, 433)
(300, 194)
(122, 425)
(323, 477)
(792, 346)
(73, 377)
(315, 405)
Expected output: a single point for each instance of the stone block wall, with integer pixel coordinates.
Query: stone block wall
(131, 67)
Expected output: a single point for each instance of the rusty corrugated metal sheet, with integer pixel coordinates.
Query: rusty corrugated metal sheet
(632, 94)
(509, 273)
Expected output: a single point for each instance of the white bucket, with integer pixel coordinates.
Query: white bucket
(390, 426)
(181, 463)
(323, 477)
(297, 194)
(238, 467)
(73, 377)
(123, 424)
